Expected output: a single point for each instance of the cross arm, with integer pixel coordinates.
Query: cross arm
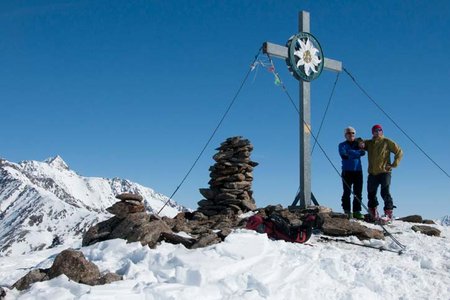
(282, 52)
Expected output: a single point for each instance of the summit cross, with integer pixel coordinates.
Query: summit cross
(305, 194)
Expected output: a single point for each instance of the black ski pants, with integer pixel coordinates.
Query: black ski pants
(349, 179)
(383, 180)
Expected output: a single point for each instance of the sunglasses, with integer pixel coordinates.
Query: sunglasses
(352, 133)
(377, 130)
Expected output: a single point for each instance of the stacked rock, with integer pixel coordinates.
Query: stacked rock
(231, 179)
(129, 203)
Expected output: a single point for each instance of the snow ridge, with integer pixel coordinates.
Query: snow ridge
(43, 200)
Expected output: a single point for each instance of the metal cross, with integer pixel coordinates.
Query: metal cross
(305, 195)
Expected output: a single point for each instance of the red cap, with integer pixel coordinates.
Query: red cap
(376, 127)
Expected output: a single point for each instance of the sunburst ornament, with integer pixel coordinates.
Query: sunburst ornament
(305, 56)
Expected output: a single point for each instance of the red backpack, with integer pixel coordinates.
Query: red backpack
(278, 228)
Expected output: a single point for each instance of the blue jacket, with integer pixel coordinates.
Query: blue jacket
(351, 156)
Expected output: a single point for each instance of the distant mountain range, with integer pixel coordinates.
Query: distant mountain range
(445, 221)
(45, 203)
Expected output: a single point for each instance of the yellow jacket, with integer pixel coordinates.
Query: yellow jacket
(379, 154)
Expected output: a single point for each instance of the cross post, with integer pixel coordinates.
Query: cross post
(305, 194)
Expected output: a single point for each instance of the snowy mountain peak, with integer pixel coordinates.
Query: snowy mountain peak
(43, 200)
(57, 162)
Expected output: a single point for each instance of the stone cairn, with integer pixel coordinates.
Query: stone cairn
(231, 180)
(129, 203)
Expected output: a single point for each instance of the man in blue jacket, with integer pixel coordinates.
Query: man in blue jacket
(351, 173)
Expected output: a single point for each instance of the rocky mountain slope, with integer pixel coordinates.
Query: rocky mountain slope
(45, 203)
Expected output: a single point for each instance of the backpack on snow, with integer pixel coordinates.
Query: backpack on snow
(278, 228)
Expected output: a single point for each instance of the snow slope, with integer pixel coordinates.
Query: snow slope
(248, 265)
(42, 200)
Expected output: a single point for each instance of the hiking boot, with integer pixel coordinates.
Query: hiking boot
(388, 214)
(386, 218)
(348, 213)
(374, 213)
(358, 215)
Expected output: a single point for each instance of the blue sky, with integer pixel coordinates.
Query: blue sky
(134, 90)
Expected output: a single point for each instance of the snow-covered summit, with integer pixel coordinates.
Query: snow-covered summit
(57, 162)
(42, 200)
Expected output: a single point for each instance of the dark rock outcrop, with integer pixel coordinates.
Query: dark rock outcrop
(2, 293)
(428, 230)
(108, 278)
(173, 238)
(31, 277)
(133, 228)
(150, 230)
(100, 232)
(74, 265)
(416, 219)
(206, 240)
(431, 222)
(343, 227)
(412, 219)
(130, 222)
(140, 228)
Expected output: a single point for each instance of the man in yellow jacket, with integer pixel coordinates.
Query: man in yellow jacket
(379, 151)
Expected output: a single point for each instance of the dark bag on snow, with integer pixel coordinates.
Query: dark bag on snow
(278, 228)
